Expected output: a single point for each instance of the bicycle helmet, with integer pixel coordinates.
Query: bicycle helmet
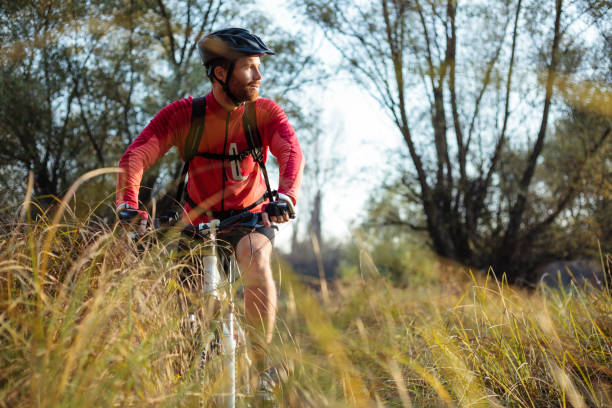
(229, 44)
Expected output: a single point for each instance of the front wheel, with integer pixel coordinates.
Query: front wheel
(225, 365)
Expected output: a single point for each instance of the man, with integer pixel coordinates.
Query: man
(216, 185)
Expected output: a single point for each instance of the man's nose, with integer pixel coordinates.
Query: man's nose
(256, 74)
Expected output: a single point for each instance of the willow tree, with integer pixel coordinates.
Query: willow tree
(471, 90)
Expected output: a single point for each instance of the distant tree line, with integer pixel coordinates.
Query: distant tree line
(504, 108)
(80, 79)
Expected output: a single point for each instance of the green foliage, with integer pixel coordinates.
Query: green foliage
(398, 257)
(79, 81)
(399, 252)
(577, 168)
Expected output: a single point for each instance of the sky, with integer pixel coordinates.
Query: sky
(365, 139)
(365, 136)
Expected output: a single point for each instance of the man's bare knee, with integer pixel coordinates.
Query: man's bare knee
(253, 247)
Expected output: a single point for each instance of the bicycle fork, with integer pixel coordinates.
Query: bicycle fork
(229, 341)
(212, 287)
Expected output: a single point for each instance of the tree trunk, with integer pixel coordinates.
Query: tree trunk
(315, 217)
(511, 242)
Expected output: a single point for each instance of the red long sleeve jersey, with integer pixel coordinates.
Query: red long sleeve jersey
(223, 134)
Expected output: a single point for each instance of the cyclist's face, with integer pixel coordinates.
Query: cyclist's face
(246, 78)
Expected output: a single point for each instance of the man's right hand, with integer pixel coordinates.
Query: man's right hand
(132, 218)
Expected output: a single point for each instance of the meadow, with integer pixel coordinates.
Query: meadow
(88, 319)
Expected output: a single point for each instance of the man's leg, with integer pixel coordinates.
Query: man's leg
(253, 252)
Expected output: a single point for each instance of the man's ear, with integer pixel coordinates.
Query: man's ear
(220, 72)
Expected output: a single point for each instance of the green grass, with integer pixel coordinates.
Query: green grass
(88, 321)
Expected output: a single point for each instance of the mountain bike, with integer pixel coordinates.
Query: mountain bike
(222, 349)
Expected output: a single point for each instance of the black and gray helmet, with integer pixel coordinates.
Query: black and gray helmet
(230, 44)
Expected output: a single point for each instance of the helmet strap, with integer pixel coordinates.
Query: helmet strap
(225, 84)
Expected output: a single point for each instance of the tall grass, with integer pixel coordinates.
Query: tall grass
(88, 320)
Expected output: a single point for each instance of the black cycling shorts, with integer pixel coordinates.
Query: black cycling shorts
(234, 236)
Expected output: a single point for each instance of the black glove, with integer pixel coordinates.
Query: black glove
(281, 207)
(129, 215)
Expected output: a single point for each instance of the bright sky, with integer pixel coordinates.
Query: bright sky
(365, 135)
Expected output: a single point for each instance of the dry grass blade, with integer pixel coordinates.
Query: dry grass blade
(111, 331)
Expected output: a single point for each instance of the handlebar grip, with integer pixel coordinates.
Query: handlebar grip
(235, 219)
(193, 231)
(165, 221)
(286, 208)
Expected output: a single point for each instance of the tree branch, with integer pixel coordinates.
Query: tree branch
(205, 24)
(405, 129)
(571, 190)
(427, 42)
(188, 28)
(169, 30)
(451, 51)
(516, 212)
(502, 137)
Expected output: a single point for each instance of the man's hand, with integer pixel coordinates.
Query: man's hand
(280, 211)
(268, 220)
(132, 218)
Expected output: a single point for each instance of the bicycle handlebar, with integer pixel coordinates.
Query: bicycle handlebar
(242, 219)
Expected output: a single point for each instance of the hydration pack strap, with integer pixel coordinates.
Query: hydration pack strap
(249, 123)
(218, 156)
(192, 143)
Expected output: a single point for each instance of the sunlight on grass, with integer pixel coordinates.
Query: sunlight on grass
(86, 319)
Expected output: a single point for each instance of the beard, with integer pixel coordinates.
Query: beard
(243, 92)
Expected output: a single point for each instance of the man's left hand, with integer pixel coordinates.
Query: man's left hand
(280, 211)
(279, 219)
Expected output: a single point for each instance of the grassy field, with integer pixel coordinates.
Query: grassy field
(88, 321)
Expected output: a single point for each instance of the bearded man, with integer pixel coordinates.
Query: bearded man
(221, 181)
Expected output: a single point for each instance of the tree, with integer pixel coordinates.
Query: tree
(320, 146)
(468, 87)
(576, 168)
(81, 79)
(64, 100)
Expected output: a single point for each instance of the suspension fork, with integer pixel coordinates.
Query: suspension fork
(228, 323)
